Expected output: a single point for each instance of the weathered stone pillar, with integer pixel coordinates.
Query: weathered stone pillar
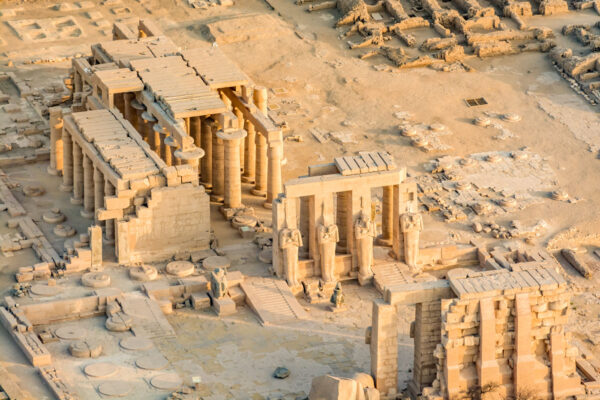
(196, 130)
(274, 183)
(327, 237)
(136, 118)
(233, 182)
(77, 197)
(364, 231)
(190, 157)
(67, 184)
(384, 347)
(207, 146)
(119, 103)
(523, 356)
(109, 190)
(411, 225)
(170, 147)
(260, 187)
(218, 172)
(98, 193)
(249, 153)
(77, 82)
(56, 143)
(156, 139)
(240, 120)
(129, 111)
(88, 188)
(147, 127)
(387, 217)
(289, 241)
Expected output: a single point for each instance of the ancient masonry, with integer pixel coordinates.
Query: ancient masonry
(497, 333)
(141, 153)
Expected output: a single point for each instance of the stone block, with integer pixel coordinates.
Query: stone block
(223, 306)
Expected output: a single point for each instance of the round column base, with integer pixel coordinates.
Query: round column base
(383, 242)
(248, 179)
(259, 193)
(109, 240)
(268, 204)
(87, 214)
(76, 200)
(215, 198)
(63, 188)
(365, 280)
(53, 171)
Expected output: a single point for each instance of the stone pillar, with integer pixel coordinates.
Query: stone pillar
(343, 210)
(523, 358)
(249, 153)
(88, 188)
(487, 366)
(364, 231)
(233, 183)
(56, 143)
(77, 197)
(207, 146)
(98, 193)
(427, 334)
(240, 120)
(190, 157)
(129, 111)
(218, 169)
(384, 348)
(260, 187)
(147, 127)
(411, 226)
(119, 103)
(196, 130)
(77, 82)
(156, 139)
(327, 237)
(109, 190)
(274, 183)
(67, 184)
(387, 217)
(289, 241)
(170, 147)
(95, 235)
(136, 117)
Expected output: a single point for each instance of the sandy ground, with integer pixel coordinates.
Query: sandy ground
(319, 83)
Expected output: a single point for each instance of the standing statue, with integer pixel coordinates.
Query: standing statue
(218, 283)
(411, 224)
(289, 241)
(327, 237)
(364, 232)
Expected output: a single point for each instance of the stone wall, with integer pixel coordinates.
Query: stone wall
(174, 219)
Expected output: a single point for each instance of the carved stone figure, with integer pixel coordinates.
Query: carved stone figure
(218, 283)
(327, 237)
(337, 298)
(289, 241)
(411, 224)
(364, 232)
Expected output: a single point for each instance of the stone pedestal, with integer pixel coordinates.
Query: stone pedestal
(67, 183)
(232, 195)
(56, 143)
(77, 197)
(88, 189)
(223, 306)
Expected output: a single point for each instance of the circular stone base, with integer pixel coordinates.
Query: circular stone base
(143, 273)
(437, 127)
(213, 262)
(52, 171)
(114, 389)
(217, 198)
(76, 201)
(87, 214)
(169, 381)
(64, 231)
(45, 290)
(67, 189)
(258, 193)
(70, 333)
(246, 179)
(33, 190)
(136, 343)
(54, 216)
(100, 370)
(266, 256)
(85, 348)
(96, 279)
(511, 117)
(118, 323)
(152, 362)
(180, 269)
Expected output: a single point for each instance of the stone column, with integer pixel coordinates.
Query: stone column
(260, 187)
(233, 182)
(109, 190)
(88, 188)
(98, 193)
(240, 120)
(387, 217)
(218, 169)
(196, 131)
(147, 131)
(327, 237)
(274, 184)
(67, 184)
(289, 241)
(364, 231)
(156, 139)
(129, 111)
(136, 118)
(77, 197)
(56, 144)
(249, 153)
(77, 82)
(207, 146)
(411, 225)
(119, 103)
(190, 157)
(170, 147)
(523, 356)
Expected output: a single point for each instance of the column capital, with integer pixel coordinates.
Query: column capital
(189, 155)
(233, 134)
